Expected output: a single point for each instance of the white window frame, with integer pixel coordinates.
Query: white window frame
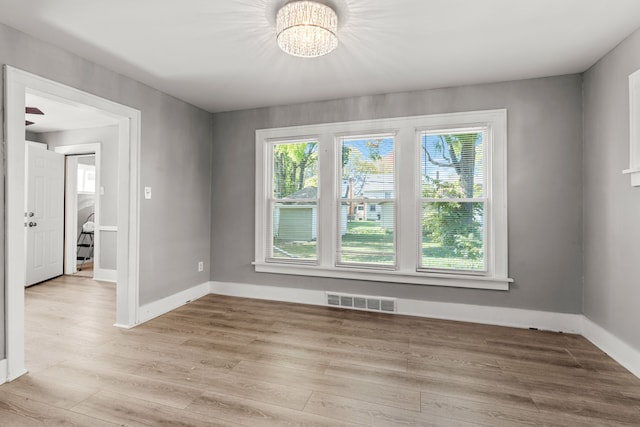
(634, 130)
(485, 199)
(272, 201)
(407, 216)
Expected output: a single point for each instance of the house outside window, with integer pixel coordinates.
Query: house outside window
(293, 201)
(418, 200)
(367, 174)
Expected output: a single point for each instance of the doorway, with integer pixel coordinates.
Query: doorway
(90, 204)
(73, 138)
(17, 84)
(82, 171)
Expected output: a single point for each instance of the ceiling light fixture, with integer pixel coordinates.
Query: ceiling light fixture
(307, 29)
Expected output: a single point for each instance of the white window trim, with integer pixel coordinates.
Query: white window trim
(268, 199)
(634, 129)
(405, 128)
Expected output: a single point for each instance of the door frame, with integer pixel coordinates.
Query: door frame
(71, 205)
(17, 82)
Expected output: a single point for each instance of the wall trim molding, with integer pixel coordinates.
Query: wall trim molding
(616, 348)
(165, 305)
(71, 202)
(500, 316)
(271, 293)
(105, 275)
(3, 371)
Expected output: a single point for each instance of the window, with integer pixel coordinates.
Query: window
(293, 201)
(452, 199)
(411, 200)
(634, 129)
(367, 207)
(86, 179)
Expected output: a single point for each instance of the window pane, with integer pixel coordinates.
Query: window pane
(367, 235)
(453, 235)
(452, 164)
(295, 170)
(367, 168)
(86, 178)
(90, 182)
(295, 231)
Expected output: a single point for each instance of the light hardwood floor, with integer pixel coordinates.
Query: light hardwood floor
(86, 270)
(223, 361)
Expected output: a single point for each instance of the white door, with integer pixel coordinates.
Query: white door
(44, 219)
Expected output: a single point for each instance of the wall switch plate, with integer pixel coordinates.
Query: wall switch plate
(147, 193)
(200, 266)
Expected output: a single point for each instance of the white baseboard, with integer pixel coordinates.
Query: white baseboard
(513, 317)
(272, 293)
(105, 275)
(121, 326)
(4, 374)
(499, 316)
(165, 305)
(617, 349)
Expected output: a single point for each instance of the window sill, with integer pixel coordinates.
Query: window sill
(635, 176)
(430, 279)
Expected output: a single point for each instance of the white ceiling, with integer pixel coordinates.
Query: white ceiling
(221, 55)
(60, 116)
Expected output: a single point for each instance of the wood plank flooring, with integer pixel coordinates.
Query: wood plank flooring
(223, 361)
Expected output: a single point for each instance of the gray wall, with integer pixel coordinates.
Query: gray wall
(545, 193)
(175, 159)
(107, 136)
(611, 205)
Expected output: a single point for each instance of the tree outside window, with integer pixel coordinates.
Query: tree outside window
(453, 203)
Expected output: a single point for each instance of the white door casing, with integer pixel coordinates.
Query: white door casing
(44, 214)
(71, 203)
(71, 216)
(16, 84)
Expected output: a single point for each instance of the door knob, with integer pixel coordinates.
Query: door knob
(33, 224)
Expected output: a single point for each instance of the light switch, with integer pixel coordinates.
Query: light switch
(147, 192)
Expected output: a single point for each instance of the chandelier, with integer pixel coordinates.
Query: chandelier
(307, 29)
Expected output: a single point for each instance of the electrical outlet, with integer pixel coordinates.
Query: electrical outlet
(200, 266)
